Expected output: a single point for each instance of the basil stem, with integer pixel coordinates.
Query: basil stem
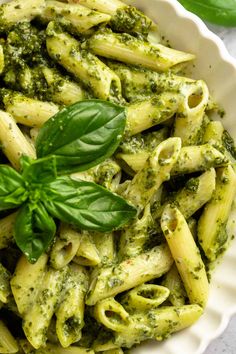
(221, 12)
(82, 135)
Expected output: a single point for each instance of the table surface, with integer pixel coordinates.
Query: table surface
(226, 343)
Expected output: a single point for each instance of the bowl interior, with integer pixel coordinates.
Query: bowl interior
(213, 64)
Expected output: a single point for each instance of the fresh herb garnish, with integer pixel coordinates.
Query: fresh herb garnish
(77, 138)
(82, 135)
(220, 12)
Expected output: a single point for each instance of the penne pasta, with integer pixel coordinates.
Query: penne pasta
(128, 274)
(145, 297)
(148, 113)
(84, 66)
(131, 50)
(174, 284)
(63, 91)
(212, 234)
(7, 342)
(70, 312)
(19, 10)
(186, 255)
(76, 18)
(28, 111)
(14, 144)
(155, 171)
(197, 192)
(65, 247)
(154, 324)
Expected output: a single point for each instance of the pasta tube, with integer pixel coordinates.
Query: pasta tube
(65, 247)
(106, 6)
(38, 317)
(26, 281)
(110, 281)
(14, 144)
(186, 255)
(153, 324)
(150, 112)
(215, 135)
(5, 290)
(19, 10)
(62, 90)
(29, 111)
(6, 230)
(188, 124)
(111, 314)
(139, 82)
(155, 171)
(83, 65)
(128, 49)
(213, 132)
(174, 284)
(157, 324)
(143, 142)
(198, 158)
(7, 343)
(134, 236)
(70, 313)
(197, 192)
(124, 18)
(191, 159)
(77, 18)
(135, 162)
(212, 233)
(105, 244)
(145, 297)
(87, 253)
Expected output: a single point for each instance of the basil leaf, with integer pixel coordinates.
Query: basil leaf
(34, 230)
(86, 205)
(82, 135)
(12, 188)
(221, 12)
(39, 171)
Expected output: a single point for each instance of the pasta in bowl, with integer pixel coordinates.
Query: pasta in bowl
(130, 172)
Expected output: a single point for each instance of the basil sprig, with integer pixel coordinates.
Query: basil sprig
(93, 126)
(221, 12)
(82, 135)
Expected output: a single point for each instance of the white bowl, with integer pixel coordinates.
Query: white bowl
(186, 31)
(213, 64)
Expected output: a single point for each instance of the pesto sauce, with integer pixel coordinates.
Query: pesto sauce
(129, 19)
